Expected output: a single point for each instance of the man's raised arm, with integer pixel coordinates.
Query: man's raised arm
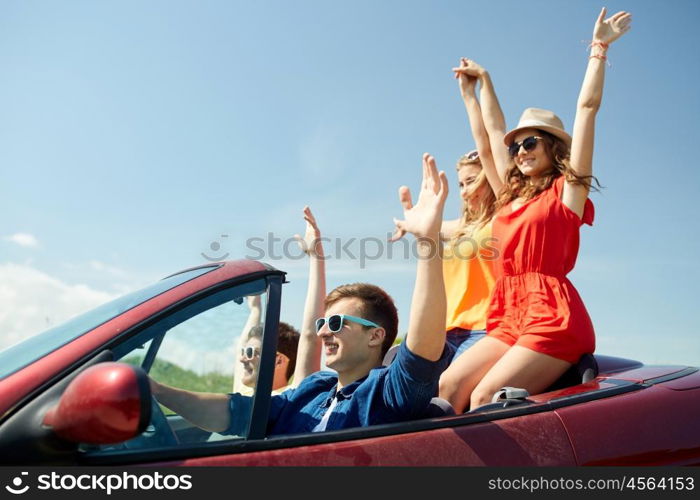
(426, 324)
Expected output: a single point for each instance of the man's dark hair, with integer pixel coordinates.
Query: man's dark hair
(377, 306)
(287, 343)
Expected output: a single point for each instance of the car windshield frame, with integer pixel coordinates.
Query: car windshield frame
(17, 356)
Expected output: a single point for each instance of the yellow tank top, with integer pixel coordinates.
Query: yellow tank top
(468, 271)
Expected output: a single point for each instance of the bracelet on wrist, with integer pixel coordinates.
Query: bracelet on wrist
(597, 43)
(598, 50)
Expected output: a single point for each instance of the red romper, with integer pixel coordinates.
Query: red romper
(533, 304)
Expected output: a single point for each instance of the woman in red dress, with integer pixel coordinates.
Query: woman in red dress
(537, 324)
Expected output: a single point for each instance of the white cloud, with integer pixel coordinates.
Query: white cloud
(23, 240)
(96, 265)
(32, 301)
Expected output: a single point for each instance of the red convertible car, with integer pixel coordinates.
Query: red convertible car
(79, 394)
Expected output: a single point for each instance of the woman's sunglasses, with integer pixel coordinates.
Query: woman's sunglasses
(471, 155)
(529, 143)
(249, 352)
(335, 322)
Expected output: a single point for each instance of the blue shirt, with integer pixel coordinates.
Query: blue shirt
(399, 392)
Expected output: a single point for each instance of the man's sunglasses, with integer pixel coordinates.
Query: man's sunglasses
(249, 352)
(529, 143)
(335, 322)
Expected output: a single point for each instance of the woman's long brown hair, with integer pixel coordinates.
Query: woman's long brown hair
(518, 185)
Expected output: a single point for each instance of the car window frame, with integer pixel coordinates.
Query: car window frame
(257, 428)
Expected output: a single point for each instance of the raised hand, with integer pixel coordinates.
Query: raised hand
(467, 84)
(470, 68)
(309, 347)
(610, 29)
(423, 219)
(311, 242)
(253, 301)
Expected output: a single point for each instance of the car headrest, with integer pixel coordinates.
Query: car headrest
(584, 371)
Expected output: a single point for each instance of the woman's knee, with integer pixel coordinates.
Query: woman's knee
(481, 396)
(448, 385)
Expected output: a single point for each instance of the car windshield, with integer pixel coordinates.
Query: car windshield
(15, 357)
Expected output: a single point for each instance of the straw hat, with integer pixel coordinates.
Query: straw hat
(539, 119)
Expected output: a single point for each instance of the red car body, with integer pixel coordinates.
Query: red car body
(613, 419)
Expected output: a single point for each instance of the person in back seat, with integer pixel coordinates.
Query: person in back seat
(298, 353)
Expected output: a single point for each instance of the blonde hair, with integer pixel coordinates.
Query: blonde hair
(516, 184)
(487, 206)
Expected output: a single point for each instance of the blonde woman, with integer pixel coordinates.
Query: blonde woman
(469, 256)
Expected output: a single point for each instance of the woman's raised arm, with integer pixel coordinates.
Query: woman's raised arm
(605, 32)
(467, 86)
(491, 113)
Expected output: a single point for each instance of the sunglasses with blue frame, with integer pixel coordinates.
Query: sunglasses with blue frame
(335, 322)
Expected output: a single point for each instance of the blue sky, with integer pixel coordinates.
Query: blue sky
(133, 135)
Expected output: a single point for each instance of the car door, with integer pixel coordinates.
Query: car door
(198, 348)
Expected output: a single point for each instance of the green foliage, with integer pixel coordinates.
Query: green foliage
(173, 375)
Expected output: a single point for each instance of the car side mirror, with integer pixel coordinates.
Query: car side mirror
(107, 403)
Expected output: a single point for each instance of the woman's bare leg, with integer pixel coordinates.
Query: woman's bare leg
(519, 367)
(460, 378)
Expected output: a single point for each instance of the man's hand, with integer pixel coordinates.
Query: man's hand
(311, 242)
(423, 219)
(253, 302)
